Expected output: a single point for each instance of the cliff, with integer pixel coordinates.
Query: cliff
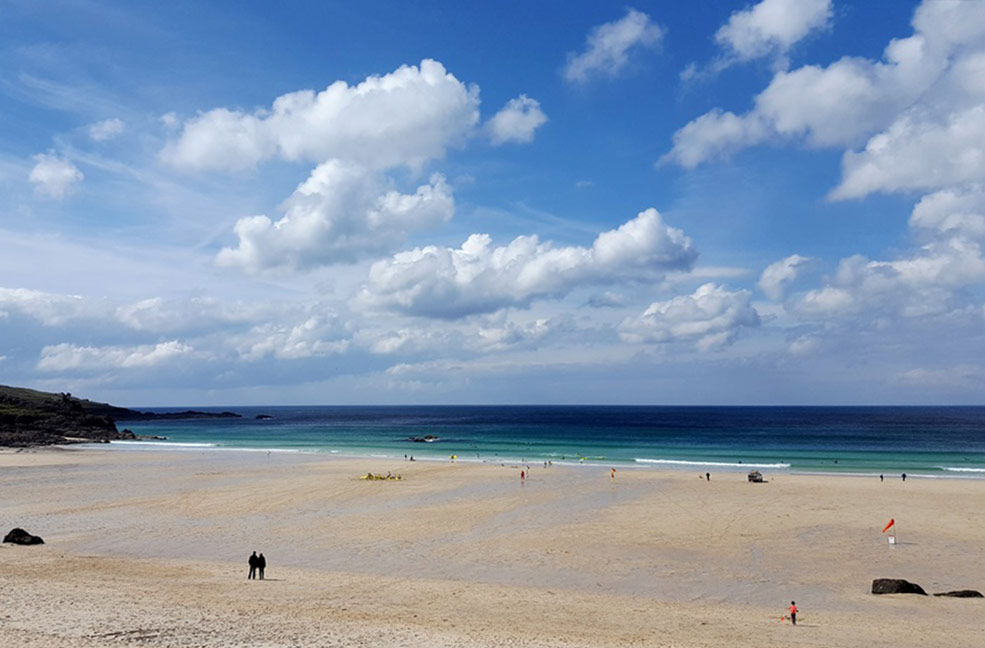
(29, 417)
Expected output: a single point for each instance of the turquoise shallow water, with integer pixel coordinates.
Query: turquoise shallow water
(931, 441)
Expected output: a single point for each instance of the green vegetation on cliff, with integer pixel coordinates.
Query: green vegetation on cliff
(29, 417)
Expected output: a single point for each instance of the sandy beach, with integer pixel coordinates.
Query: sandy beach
(149, 548)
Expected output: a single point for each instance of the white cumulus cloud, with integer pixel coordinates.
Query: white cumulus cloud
(772, 26)
(716, 134)
(53, 176)
(106, 129)
(405, 117)
(516, 122)
(919, 284)
(854, 98)
(777, 276)
(952, 211)
(608, 46)
(915, 153)
(341, 213)
(316, 336)
(159, 315)
(67, 357)
(712, 316)
(48, 308)
(481, 278)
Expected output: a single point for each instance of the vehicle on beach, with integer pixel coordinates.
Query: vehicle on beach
(756, 477)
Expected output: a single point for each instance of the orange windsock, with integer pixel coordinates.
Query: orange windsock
(892, 521)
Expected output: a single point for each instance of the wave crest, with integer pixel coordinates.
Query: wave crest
(719, 464)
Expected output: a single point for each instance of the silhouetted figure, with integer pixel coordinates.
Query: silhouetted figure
(261, 564)
(253, 565)
(904, 476)
(880, 477)
(707, 476)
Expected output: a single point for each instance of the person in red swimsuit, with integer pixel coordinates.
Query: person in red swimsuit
(793, 612)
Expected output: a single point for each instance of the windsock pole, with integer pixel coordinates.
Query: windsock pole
(892, 534)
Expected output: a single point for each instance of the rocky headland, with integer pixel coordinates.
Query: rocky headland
(32, 418)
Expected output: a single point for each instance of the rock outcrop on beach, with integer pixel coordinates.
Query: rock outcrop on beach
(967, 593)
(896, 586)
(22, 537)
(32, 418)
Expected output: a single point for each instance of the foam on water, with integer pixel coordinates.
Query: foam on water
(714, 464)
(168, 444)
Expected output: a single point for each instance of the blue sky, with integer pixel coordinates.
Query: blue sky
(779, 202)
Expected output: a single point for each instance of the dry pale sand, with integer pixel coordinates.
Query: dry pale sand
(149, 548)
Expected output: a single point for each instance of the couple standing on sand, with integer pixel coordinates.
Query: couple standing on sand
(257, 563)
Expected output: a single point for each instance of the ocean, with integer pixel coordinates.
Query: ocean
(930, 441)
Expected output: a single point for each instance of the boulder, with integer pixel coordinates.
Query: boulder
(22, 537)
(896, 586)
(961, 594)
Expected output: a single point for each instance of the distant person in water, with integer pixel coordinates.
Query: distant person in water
(261, 564)
(253, 565)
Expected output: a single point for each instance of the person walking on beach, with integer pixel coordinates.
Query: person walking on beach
(523, 476)
(261, 564)
(253, 566)
(707, 476)
(904, 476)
(793, 612)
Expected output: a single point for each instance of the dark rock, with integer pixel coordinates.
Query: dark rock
(170, 416)
(263, 417)
(896, 586)
(961, 594)
(22, 537)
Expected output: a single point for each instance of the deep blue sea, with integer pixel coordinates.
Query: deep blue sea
(935, 441)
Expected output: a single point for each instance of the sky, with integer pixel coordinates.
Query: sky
(578, 202)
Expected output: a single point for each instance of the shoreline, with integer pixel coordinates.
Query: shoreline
(671, 466)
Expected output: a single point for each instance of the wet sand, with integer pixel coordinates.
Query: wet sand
(149, 548)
